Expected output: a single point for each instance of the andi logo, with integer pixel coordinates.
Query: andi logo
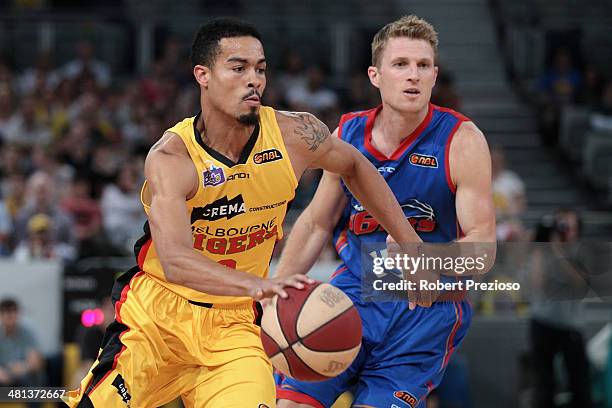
(214, 176)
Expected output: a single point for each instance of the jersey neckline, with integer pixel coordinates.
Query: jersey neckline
(403, 146)
(244, 155)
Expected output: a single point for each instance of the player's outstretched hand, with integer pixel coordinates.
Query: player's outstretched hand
(268, 288)
(423, 298)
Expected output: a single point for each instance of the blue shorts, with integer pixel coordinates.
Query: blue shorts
(403, 355)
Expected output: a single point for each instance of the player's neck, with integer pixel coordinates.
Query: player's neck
(395, 126)
(223, 133)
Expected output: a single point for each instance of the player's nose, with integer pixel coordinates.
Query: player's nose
(412, 73)
(255, 80)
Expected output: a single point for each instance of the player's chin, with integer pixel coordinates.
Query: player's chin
(412, 105)
(249, 117)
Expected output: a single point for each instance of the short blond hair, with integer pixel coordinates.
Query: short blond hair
(411, 27)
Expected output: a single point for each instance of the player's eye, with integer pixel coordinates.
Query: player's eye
(238, 69)
(400, 64)
(424, 65)
(261, 70)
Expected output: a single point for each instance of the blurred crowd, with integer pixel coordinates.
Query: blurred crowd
(72, 145)
(567, 82)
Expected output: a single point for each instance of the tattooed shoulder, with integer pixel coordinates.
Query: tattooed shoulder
(308, 128)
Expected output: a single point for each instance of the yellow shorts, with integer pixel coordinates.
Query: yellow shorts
(162, 346)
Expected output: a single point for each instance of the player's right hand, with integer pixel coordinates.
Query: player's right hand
(267, 288)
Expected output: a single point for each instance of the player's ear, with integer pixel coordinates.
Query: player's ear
(435, 75)
(202, 75)
(373, 75)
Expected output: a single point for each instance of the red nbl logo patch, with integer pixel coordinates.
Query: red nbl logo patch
(406, 397)
(423, 160)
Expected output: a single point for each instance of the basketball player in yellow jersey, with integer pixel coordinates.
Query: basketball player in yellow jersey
(217, 188)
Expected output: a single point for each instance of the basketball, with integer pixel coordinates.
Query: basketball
(312, 335)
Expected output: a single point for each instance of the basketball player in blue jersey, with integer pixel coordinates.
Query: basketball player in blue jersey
(437, 163)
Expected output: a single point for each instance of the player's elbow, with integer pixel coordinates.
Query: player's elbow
(488, 253)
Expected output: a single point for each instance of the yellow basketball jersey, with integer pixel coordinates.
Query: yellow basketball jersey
(238, 209)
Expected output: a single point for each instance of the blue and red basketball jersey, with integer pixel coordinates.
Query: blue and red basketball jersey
(417, 172)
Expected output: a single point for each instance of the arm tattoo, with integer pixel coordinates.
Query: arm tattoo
(310, 129)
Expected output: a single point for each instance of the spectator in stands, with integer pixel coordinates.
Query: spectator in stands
(133, 131)
(292, 73)
(59, 103)
(601, 119)
(153, 128)
(360, 94)
(104, 166)
(84, 210)
(74, 148)
(20, 360)
(89, 107)
(444, 94)
(122, 213)
(7, 109)
(43, 159)
(173, 59)
(6, 77)
(593, 85)
(40, 244)
(508, 198)
(560, 283)
(560, 85)
(26, 129)
(41, 197)
(313, 96)
(12, 160)
(563, 81)
(39, 77)
(86, 64)
(13, 191)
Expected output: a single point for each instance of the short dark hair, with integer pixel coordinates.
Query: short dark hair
(205, 45)
(8, 305)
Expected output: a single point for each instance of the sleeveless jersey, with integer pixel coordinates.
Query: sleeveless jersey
(418, 174)
(238, 210)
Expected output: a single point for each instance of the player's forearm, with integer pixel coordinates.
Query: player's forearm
(476, 248)
(372, 191)
(484, 241)
(303, 247)
(190, 269)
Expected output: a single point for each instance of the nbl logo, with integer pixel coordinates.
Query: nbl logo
(423, 160)
(267, 156)
(406, 397)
